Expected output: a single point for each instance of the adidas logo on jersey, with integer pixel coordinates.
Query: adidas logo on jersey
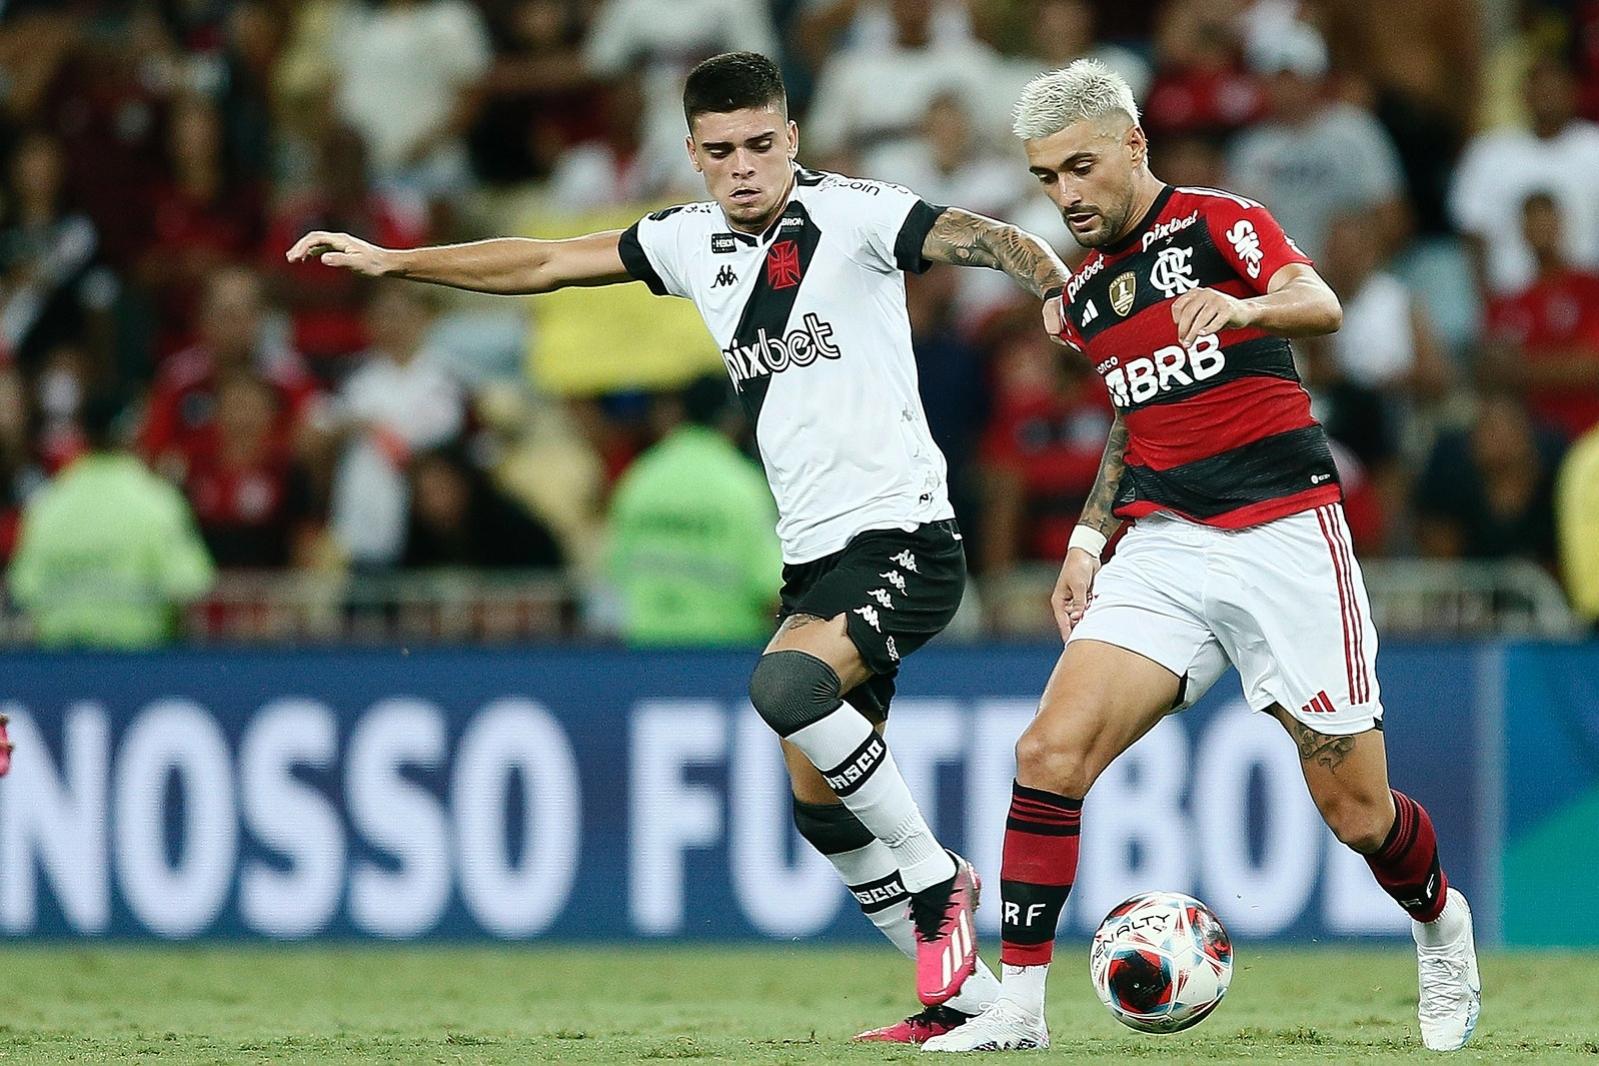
(772, 355)
(1140, 380)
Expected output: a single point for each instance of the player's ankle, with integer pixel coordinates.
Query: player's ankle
(1023, 987)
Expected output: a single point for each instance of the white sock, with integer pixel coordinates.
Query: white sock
(861, 771)
(1450, 925)
(1024, 987)
(873, 879)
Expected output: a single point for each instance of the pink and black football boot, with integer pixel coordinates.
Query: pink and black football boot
(946, 933)
(918, 1028)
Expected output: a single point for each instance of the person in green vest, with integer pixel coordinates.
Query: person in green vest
(693, 549)
(108, 551)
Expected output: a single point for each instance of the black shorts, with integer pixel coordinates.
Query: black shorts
(896, 591)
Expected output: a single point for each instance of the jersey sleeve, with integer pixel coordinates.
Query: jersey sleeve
(652, 251)
(884, 224)
(1251, 241)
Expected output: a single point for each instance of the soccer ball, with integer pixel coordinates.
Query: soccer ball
(1161, 962)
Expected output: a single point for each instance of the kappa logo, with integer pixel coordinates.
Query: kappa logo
(1246, 244)
(1173, 272)
(783, 265)
(725, 276)
(905, 561)
(882, 597)
(869, 613)
(895, 578)
(893, 652)
(1122, 291)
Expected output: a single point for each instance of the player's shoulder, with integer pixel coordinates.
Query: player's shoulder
(701, 213)
(840, 192)
(1207, 200)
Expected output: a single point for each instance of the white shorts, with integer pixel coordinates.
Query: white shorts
(1283, 601)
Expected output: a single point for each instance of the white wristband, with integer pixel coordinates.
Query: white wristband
(1089, 540)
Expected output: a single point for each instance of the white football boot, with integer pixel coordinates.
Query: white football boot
(1002, 1027)
(1451, 990)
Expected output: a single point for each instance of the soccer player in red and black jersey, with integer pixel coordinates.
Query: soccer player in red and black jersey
(1239, 553)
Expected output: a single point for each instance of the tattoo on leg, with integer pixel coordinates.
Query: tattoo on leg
(1318, 747)
(799, 621)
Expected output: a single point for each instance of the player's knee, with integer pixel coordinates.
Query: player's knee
(1358, 824)
(792, 689)
(829, 827)
(1053, 762)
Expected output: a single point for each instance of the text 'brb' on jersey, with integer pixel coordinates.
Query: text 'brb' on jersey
(1220, 431)
(810, 317)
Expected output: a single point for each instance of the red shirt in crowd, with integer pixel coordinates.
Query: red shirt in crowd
(1556, 316)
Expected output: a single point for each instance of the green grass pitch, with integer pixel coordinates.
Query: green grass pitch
(776, 1005)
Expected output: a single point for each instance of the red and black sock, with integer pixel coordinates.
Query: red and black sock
(1037, 872)
(1407, 864)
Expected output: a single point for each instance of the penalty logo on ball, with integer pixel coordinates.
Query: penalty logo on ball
(1161, 962)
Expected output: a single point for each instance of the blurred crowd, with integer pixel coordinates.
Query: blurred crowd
(1438, 158)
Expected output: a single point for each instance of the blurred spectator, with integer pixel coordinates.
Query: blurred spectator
(204, 217)
(459, 519)
(1577, 512)
(539, 96)
(1041, 449)
(399, 402)
(1487, 491)
(952, 376)
(665, 39)
(616, 167)
(1557, 153)
(1198, 86)
(693, 549)
(1058, 32)
(852, 111)
(1313, 157)
(47, 290)
(108, 551)
(408, 74)
(1419, 61)
(180, 423)
(1548, 334)
(1386, 342)
(328, 306)
(251, 48)
(251, 498)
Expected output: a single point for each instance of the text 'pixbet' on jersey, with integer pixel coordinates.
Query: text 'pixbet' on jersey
(768, 355)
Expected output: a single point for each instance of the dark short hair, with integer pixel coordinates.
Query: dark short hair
(731, 82)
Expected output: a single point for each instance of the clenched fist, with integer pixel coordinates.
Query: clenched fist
(343, 250)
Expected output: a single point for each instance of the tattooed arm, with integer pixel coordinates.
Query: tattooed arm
(965, 239)
(1076, 582)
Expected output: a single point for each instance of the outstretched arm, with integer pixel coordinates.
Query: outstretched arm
(1076, 582)
(506, 266)
(966, 239)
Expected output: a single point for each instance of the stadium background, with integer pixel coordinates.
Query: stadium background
(408, 676)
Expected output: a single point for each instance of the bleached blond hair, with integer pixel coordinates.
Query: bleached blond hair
(1086, 89)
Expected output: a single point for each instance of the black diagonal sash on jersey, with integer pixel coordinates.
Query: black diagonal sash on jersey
(768, 307)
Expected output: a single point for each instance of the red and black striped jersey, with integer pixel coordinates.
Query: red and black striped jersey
(1220, 431)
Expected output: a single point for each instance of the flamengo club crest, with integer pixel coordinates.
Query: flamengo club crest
(783, 265)
(1121, 293)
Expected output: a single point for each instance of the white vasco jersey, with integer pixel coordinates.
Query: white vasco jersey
(810, 317)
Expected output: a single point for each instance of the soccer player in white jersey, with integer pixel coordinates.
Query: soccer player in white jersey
(799, 276)
(1240, 553)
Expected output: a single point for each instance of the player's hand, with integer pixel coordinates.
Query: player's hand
(1201, 311)
(1055, 320)
(343, 250)
(1072, 589)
